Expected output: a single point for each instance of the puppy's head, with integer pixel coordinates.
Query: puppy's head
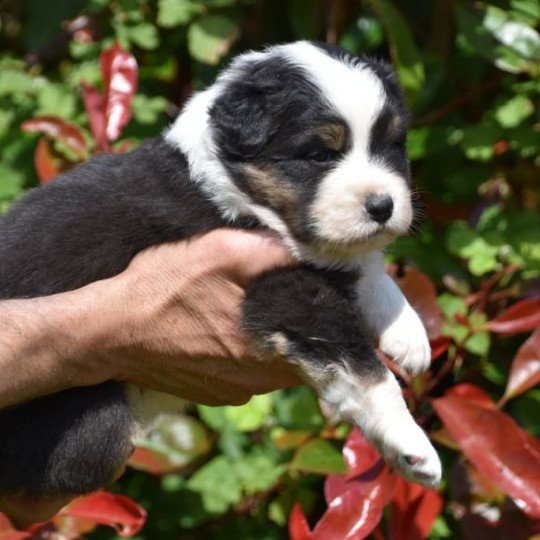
(310, 140)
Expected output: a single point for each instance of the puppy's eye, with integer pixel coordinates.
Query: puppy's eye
(324, 156)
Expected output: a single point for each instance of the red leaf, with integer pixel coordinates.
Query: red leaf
(104, 508)
(367, 474)
(151, 462)
(119, 69)
(8, 532)
(355, 500)
(497, 447)
(439, 346)
(462, 319)
(69, 134)
(347, 518)
(421, 293)
(93, 103)
(45, 161)
(414, 509)
(481, 511)
(298, 525)
(521, 317)
(359, 453)
(473, 393)
(525, 370)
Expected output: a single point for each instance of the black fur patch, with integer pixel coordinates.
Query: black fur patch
(80, 228)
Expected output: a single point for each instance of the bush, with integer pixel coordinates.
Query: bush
(471, 72)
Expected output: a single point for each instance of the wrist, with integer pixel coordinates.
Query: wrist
(35, 349)
(93, 318)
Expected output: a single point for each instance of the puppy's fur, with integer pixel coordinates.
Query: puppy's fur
(304, 139)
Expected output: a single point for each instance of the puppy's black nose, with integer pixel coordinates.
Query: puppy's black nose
(379, 207)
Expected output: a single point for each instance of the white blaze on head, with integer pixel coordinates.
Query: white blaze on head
(357, 95)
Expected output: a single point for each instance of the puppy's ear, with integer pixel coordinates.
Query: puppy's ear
(248, 112)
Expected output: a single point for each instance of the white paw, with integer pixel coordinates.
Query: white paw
(381, 413)
(406, 342)
(408, 450)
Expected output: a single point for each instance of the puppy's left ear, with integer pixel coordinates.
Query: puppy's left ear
(249, 111)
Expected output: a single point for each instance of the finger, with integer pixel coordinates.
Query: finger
(248, 254)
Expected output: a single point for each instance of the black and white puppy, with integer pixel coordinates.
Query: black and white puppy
(303, 139)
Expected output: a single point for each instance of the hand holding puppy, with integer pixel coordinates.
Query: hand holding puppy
(154, 325)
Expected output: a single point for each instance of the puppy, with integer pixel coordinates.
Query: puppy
(303, 139)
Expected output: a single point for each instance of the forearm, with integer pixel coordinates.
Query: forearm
(44, 344)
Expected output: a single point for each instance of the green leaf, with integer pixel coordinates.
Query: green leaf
(252, 415)
(527, 11)
(517, 36)
(367, 34)
(145, 35)
(213, 417)
(172, 483)
(478, 141)
(417, 142)
(514, 111)
(217, 484)
(319, 456)
(525, 141)
(258, 471)
(210, 38)
(451, 305)
(6, 119)
(176, 440)
(474, 35)
(177, 12)
(231, 441)
(484, 260)
(57, 100)
(403, 49)
(440, 529)
(494, 374)
(460, 238)
(11, 182)
(146, 110)
(219, 3)
(479, 343)
(298, 408)
(223, 482)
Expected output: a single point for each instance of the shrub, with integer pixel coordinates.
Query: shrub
(471, 72)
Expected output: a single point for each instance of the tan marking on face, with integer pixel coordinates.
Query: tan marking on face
(334, 135)
(270, 190)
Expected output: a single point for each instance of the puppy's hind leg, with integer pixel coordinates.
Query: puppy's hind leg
(312, 322)
(65, 444)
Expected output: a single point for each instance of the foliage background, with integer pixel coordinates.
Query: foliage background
(471, 72)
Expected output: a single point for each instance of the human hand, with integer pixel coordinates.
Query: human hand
(181, 308)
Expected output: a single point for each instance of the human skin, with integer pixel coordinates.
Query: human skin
(170, 322)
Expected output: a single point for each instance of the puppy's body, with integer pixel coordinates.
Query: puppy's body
(306, 141)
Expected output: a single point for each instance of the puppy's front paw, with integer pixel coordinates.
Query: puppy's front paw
(406, 342)
(407, 449)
